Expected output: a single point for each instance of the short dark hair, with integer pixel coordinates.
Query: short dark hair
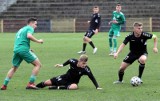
(96, 7)
(118, 4)
(31, 20)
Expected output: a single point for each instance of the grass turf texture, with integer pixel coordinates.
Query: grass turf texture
(57, 48)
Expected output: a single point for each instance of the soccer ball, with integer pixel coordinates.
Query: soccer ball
(135, 81)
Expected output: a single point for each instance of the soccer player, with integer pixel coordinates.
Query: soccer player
(70, 80)
(138, 50)
(22, 52)
(118, 19)
(93, 29)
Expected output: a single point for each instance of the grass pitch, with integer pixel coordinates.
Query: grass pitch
(57, 48)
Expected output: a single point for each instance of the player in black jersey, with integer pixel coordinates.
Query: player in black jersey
(71, 79)
(138, 50)
(93, 29)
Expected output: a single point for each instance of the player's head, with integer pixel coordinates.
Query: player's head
(118, 7)
(82, 62)
(137, 27)
(32, 22)
(95, 9)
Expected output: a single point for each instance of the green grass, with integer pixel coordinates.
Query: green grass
(57, 48)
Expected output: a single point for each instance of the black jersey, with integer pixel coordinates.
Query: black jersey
(95, 21)
(74, 73)
(138, 45)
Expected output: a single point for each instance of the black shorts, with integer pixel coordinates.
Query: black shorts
(131, 57)
(60, 80)
(89, 33)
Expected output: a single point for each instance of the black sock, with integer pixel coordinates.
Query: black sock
(41, 85)
(84, 46)
(91, 43)
(120, 74)
(141, 68)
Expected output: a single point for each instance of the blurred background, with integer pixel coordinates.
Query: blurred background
(72, 15)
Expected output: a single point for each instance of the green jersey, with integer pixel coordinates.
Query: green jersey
(22, 43)
(119, 17)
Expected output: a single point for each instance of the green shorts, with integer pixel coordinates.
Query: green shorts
(114, 32)
(28, 56)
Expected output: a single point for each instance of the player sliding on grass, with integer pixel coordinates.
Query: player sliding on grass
(22, 52)
(138, 50)
(71, 79)
(93, 29)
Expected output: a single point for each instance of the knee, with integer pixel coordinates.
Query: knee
(143, 59)
(73, 87)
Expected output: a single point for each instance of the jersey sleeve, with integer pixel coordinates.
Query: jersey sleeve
(30, 30)
(122, 21)
(98, 21)
(126, 40)
(91, 76)
(66, 63)
(147, 35)
(69, 62)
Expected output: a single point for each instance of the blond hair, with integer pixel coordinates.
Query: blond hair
(137, 24)
(83, 58)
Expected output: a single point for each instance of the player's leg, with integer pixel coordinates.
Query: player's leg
(110, 41)
(73, 86)
(8, 77)
(35, 71)
(30, 57)
(88, 37)
(128, 60)
(16, 60)
(84, 45)
(116, 33)
(123, 66)
(44, 84)
(142, 61)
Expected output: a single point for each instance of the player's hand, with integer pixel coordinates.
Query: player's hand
(115, 55)
(58, 65)
(96, 31)
(99, 88)
(109, 22)
(114, 21)
(40, 41)
(155, 50)
(88, 21)
(31, 50)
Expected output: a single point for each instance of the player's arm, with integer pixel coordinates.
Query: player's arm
(64, 64)
(154, 37)
(122, 46)
(92, 78)
(122, 21)
(119, 50)
(32, 38)
(98, 24)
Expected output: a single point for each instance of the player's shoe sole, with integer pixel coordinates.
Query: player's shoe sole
(81, 52)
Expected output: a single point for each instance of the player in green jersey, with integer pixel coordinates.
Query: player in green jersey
(22, 52)
(118, 18)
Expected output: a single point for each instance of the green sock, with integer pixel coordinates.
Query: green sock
(110, 44)
(6, 81)
(32, 79)
(115, 44)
